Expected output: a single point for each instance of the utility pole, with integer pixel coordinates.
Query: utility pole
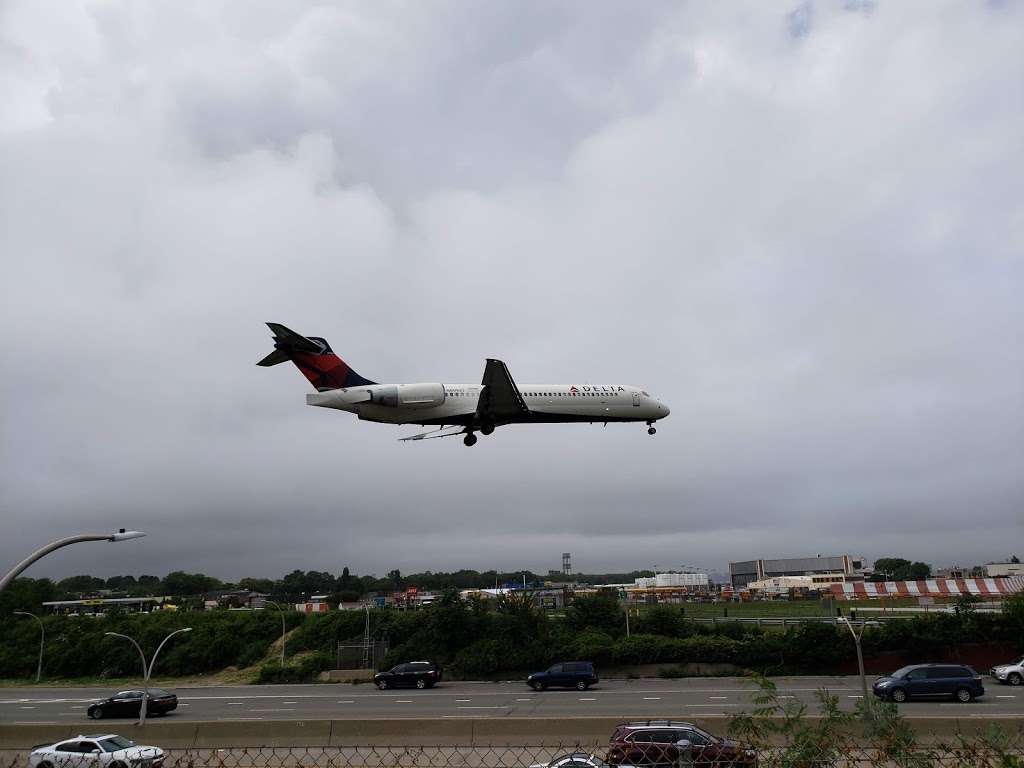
(271, 602)
(860, 662)
(42, 639)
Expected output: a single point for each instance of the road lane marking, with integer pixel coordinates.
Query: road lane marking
(524, 699)
(78, 707)
(235, 703)
(1006, 697)
(587, 699)
(290, 709)
(652, 698)
(26, 707)
(349, 701)
(462, 700)
(479, 707)
(718, 697)
(237, 720)
(716, 704)
(403, 701)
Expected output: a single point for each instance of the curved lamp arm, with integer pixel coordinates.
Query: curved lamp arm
(121, 535)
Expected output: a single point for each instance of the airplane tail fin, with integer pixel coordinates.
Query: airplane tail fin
(314, 357)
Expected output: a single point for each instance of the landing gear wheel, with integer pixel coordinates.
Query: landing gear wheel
(651, 430)
(486, 429)
(469, 439)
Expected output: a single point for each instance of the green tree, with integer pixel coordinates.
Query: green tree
(601, 612)
(188, 584)
(79, 585)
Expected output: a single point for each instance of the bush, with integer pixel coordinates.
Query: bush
(302, 670)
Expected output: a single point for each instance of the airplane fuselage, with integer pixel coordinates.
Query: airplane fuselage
(436, 403)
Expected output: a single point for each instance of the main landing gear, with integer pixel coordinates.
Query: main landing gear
(470, 438)
(650, 428)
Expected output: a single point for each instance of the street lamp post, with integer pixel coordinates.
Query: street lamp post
(121, 535)
(271, 602)
(860, 661)
(42, 639)
(147, 671)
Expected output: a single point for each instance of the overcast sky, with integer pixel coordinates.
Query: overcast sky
(800, 225)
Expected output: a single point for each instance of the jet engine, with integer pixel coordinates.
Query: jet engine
(408, 395)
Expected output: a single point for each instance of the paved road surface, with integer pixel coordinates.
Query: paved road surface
(614, 698)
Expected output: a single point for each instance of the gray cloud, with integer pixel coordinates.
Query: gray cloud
(811, 249)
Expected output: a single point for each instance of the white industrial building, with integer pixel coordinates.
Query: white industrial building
(666, 580)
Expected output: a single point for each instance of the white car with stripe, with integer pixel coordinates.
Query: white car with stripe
(106, 750)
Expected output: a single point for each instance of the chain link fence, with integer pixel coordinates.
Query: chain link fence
(995, 749)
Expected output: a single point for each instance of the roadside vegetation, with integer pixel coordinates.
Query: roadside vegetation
(479, 638)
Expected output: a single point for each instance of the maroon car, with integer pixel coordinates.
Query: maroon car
(657, 742)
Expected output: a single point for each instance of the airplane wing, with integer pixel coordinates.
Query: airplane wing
(442, 432)
(500, 400)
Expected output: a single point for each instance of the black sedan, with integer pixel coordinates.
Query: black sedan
(129, 703)
(415, 674)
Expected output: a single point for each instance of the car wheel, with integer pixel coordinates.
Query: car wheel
(1015, 678)
(95, 713)
(898, 695)
(382, 684)
(964, 695)
(541, 687)
(581, 686)
(421, 683)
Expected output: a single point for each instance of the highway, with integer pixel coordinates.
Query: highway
(644, 698)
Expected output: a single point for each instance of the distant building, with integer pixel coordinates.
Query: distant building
(100, 606)
(315, 604)
(993, 570)
(782, 585)
(234, 598)
(836, 569)
(661, 580)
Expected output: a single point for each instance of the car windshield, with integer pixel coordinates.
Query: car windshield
(114, 743)
(705, 734)
(902, 672)
(157, 693)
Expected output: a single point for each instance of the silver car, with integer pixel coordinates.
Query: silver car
(1012, 673)
(108, 750)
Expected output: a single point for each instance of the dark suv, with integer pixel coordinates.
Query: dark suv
(569, 674)
(415, 674)
(930, 681)
(657, 742)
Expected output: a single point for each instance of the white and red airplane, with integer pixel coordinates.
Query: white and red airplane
(457, 409)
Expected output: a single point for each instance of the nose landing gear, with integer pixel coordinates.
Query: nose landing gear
(469, 439)
(650, 428)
